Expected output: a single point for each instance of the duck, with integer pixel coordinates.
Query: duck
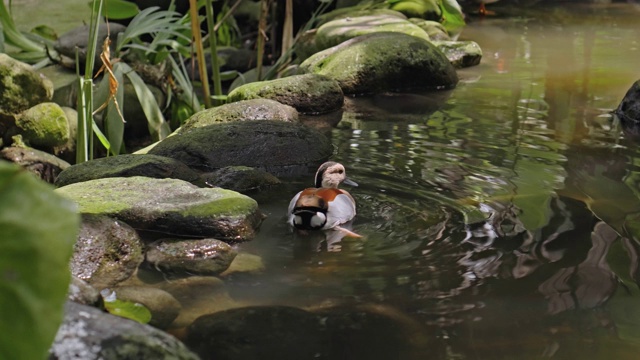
(324, 207)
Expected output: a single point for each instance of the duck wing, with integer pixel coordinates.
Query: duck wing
(341, 210)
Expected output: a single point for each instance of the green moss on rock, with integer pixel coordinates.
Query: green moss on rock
(21, 87)
(43, 125)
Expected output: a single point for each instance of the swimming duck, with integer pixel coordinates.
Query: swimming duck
(324, 206)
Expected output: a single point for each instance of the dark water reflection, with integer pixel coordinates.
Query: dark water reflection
(503, 216)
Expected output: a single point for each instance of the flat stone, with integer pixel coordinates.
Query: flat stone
(169, 206)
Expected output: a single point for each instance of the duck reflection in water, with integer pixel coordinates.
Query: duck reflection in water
(325, 207)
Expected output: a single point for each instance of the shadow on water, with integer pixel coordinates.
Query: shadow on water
(503, 217)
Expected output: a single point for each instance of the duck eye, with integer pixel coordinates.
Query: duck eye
(340, 171)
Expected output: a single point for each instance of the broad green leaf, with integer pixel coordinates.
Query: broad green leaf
(120, 9)
(158, 127)
(37, 231)
(126, 309)
(452, 16)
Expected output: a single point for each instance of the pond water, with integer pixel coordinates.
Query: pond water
(503, 217)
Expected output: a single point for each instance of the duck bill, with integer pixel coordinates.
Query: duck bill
(350, 182)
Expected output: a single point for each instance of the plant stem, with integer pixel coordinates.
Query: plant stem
(213, 47)
(84, 139)
(262, 33)
(197, 42)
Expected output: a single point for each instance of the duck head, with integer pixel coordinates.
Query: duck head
(331, 174)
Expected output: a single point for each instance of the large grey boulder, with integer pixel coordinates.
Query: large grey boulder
(277, 147)
(254, 109)
(169, 206)
(381, 62)
(21, 87)
(126, 166)
(106, 252)
(91, 334)
(308, 93)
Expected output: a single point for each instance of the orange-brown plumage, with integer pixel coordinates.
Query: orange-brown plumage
(325, 206)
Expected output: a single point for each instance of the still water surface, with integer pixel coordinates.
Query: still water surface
(504, 216)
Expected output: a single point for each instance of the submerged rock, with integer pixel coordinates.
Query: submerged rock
(127, 165)
(308, 93)
(198, 295)
(245, 263)
(91, 334)
(198, 257)
(21, 87)
(169, 206)
(242, 179)
(336, 31)
(383, 62)
(258, 332)
(107, 251)
(163, 306)
(278, 147)
(254, 109)
(44, 165)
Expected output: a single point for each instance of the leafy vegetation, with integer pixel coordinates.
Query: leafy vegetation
(37, 231)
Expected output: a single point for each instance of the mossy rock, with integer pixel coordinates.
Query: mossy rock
(434, 29)
(43, 126)
(308, 93)
(275, 146)
(169, 206)
(338, 31)
(461, 54)
(381, 62)
(127, 165)
(21, 87)
(254, 109)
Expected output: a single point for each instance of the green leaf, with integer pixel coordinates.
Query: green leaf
(37, 231)
(452, 16)
(127, 309)
(45, 32)
(158, 127)
(120, 9)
